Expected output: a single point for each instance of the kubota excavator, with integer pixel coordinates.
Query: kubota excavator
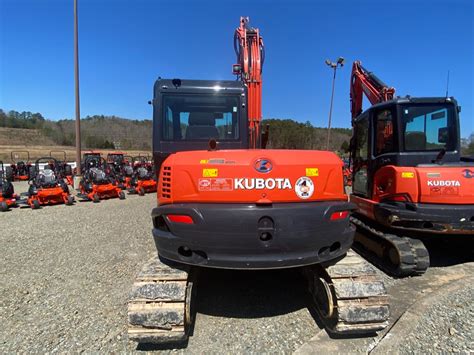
(225, 202)
(409, 180)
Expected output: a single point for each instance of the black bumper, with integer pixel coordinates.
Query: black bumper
(246, 236)
(426, 218)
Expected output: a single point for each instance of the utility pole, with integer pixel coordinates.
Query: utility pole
(78, 110)
(333, 65)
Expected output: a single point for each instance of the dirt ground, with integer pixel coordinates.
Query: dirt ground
(65, 272)
(21, 152)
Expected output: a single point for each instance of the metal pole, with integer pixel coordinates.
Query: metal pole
(76, 78)
(330, 108)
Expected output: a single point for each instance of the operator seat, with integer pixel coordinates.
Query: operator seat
(415, 141)
(47, 177)
(201, 125)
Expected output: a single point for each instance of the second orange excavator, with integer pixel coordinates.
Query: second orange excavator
(410, 183)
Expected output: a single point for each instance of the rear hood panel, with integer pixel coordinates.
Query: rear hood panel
(251, 176)
(448, 185)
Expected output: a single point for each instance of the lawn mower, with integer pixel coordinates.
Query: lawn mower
(97, 184)
(115, 168)
(65, 169)
(7, 194)
(143, 179)
(21, 168)
(47, 187)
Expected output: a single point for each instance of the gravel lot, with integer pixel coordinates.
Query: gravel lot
(65, 273)
(447, 326)
(65, 289)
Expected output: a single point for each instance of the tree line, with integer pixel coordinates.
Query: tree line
(112, 132)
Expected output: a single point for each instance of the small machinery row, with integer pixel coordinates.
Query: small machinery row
(49, 179)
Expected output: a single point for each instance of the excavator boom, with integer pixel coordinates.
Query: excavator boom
(249, 49)
(366, 82)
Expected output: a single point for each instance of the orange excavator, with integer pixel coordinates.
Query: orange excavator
(225, 202)
(409, 180)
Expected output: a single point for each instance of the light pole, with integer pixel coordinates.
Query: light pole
(78, 111)
(333, 65)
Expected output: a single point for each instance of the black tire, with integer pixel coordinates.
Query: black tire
(70, 200)
(121, 195)
(95, 198)
(3, 206)
(35, 205)
(141, 191)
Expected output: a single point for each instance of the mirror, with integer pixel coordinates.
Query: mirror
(443, 135)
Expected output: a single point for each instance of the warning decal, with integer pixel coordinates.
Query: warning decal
(223, 184)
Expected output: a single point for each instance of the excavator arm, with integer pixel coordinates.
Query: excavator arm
(249, 49)
(365, 82)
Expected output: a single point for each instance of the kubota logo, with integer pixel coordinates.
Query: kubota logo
(468, 173)
(443, 183)
(263, 165)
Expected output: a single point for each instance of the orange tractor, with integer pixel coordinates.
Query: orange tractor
(21, 166)
(226, 202)
(409, 182)
(7, 193)
(47, 185)
(97, 183)
(143, 179)
(65, 169)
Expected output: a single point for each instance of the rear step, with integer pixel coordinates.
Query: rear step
(397, 256)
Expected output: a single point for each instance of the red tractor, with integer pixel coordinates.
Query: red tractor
(7, 193)
(97, 184)
(143, 179)
(47, 186)
(21, 166)
(64, 168)
(410, 183)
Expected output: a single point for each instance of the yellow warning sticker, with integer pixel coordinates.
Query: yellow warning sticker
(203, 161)
(312, 172)
(209, 172)
(408, 175)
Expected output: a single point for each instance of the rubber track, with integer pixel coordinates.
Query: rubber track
(157, 304)
(359, 296)
(413, 255)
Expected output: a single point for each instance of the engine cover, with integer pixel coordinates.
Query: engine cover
(251, 176)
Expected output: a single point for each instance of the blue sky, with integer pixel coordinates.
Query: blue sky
(126, 45)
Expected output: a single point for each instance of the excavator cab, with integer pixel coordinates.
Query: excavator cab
(187, 114)
(403, 132)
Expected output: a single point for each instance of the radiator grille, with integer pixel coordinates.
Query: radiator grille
(166, 182)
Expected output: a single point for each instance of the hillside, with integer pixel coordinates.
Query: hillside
(111, 132)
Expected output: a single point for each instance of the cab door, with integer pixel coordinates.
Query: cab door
(360, 155)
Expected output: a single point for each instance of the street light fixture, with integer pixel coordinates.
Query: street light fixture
(333, 65)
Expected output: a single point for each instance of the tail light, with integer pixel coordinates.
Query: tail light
(180, 218)
(339, 215)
